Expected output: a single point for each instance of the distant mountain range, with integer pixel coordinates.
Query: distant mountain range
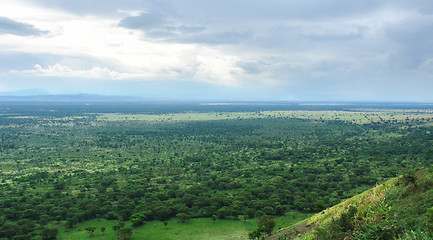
(37, 96)
(69, 98)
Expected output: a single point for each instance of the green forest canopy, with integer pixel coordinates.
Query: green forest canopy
(64, 164)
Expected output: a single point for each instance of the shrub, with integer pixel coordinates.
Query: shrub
(429, 215)
(386, 230)
(265, 225)
(414, 235)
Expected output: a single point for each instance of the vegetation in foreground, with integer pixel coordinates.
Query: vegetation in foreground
(400, 208)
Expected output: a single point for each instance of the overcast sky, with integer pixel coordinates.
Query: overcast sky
(307, 50)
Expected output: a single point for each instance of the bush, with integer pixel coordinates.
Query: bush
(429, 215)
(183, 217)
(124, 233)
(426, 182)
(386, 230)
(49, 234)
(409, 179)
(414, 235)
(265, 225)
(137, 219)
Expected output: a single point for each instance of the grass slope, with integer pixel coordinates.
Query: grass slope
(396, 209)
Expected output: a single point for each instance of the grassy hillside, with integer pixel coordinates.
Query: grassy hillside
(401, 208)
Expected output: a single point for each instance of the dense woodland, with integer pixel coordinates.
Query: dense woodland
(61, 164)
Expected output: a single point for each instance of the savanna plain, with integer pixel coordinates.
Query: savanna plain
(215, 171)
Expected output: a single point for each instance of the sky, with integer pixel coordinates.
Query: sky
(241, 50)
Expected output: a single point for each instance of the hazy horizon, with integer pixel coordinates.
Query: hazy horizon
(108, 99)
(333, 51)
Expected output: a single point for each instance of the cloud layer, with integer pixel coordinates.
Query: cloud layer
(294, 50)
(9, 26)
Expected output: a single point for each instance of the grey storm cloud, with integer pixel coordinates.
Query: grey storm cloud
(145, 21)
(158, 25)
(229, 9)
(413, 43)
(9, 26)
(240, 10)
(226, 37)
(97, 7)
(318, 46)
(228, 21)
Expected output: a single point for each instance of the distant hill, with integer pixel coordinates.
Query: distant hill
(68, 98)
(401, 208)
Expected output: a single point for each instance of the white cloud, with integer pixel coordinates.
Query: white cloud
(218, 69)
(206, 66)
(235, 44)
(59, 70)
(120, 53)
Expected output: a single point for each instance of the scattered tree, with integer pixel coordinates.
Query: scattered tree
(183, 217)
(90, 230)
(265, 225)
(49, 234)
(124, 233)
(137, 219)
(118, 226)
